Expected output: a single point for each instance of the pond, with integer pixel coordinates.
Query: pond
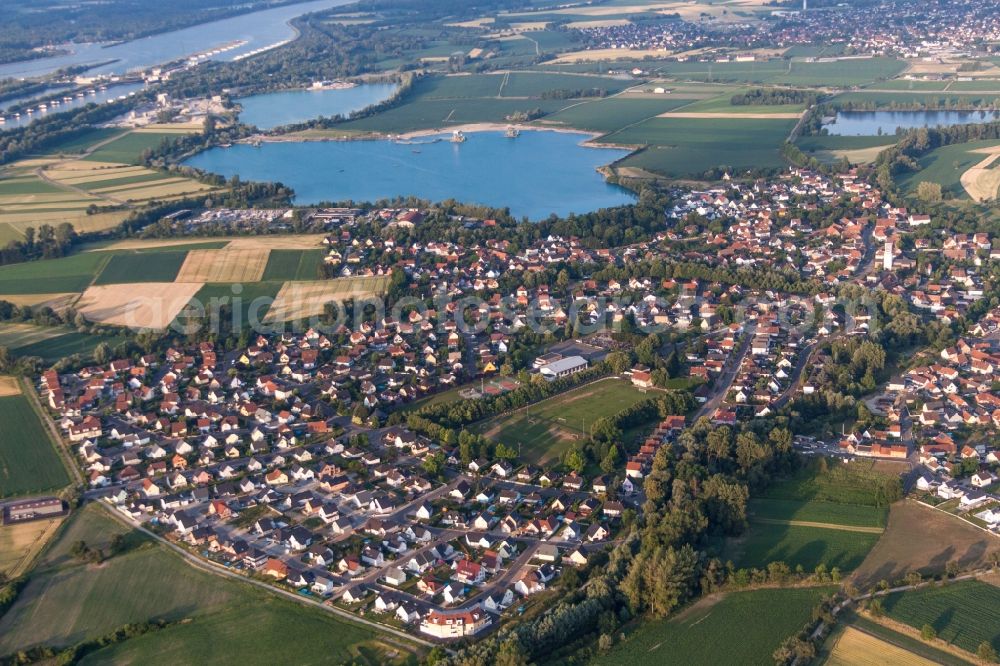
(252, 31)
(868, 123)
(295, 106)
(535, 174)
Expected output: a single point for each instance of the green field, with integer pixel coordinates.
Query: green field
(844, 483)
(946, 165)
(741, 628)
(27, 184)
(613, 113)
(73, 273)
(250, 293)
(546, 430)
(819, 512)
(805, 546)
(841, 73)
(964, 613)
(129, 148)
(83, 140)
(812, 143)
(224, 621)
(53, 349)
(692, 146)
(29, 462)
(128, 267)
(440, 101)
(293, 265)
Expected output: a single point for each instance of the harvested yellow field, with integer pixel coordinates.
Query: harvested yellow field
(303, 242)
(474, 23)
(226, 265)
(157, 191)
(9, 386)
(172, 128)
(856, 648)
(276, 242)
(58, 302)
(298, 300)
(609, 54)
(146, 305)
(20, 543)
(80, 176)
(982, 181)
(21, 219)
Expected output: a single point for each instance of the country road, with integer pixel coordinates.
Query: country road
(212, 568)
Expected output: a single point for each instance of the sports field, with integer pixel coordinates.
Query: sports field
(963, 613)
(29, 462)
(544, 431)
(223, 621)
(735, 628)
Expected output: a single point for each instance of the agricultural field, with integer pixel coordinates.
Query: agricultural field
(831, 514)
(910, 543)
(546, 430)
(29, 462)
(145, 305)
(129, 267)
(963, 614)
(253, 300)
(611, 114)
(298, 300)
(443, 101)
(96, 168)
(801, 545)
(49, 343)
(293, 265)
(831, 148)
(950, 166)
(222, 618)
(20, 544)
(226, 265)
(704, 633)
(692, 146)
(853, 647)
(128, 148)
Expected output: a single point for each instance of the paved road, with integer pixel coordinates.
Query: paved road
(725, 380)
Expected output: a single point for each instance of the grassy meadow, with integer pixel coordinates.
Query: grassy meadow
(704, 633)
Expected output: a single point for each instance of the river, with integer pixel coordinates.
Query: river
(256, 30)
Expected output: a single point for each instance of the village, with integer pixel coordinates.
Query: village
(290, 460)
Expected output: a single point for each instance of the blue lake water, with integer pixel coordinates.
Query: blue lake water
(257, 29)
(98, 97)
(534, 175)
(868, 123)
(296, 106)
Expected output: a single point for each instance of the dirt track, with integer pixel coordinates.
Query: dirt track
(825, 526)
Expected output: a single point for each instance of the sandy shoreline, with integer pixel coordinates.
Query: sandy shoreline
(468, 128)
